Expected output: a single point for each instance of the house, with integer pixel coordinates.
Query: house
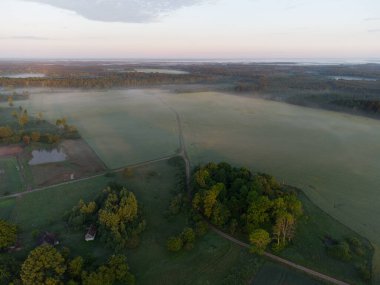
(48, 238)
(91, 233)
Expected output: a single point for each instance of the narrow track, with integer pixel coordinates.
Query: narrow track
(183, 153)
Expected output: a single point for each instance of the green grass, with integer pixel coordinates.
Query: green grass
(38, 209)
(6, 119)
(10, 177)
(209, 262)
(309, 248)
(212, 261)
(274, 274)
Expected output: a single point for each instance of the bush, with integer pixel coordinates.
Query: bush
(174, 244)
(201, 228)
(340, 251)
(364, 272)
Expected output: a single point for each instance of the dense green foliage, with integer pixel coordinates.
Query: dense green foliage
(8, 234)
(116, 213)
(44, 265)
(255, 204)
(18, 126)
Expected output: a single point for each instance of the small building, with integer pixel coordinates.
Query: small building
(48, 238)
(91, 233)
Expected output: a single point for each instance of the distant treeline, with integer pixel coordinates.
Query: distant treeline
(104, 81)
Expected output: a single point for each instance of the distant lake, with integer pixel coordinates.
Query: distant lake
(23, 75)
(352, 78)
(47, 156)
(159, 70)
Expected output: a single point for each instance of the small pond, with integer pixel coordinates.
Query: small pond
(352, 78)
(47, 156)
(22, 75)
(160, 70)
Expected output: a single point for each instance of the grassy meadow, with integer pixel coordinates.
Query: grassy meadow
(212, 261)
(333, 157)
(274, 274)
(10, 177)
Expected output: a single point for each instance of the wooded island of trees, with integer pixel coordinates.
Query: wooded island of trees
(241, 202)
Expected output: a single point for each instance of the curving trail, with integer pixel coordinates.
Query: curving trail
(19, 194)
(183, 154)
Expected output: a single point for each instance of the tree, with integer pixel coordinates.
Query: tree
(128, 172)
(258, 212)
(35, 136)
(10, 101)
(174, 244)
(284, 227)
(210, 198)
(21, 116)
(116, 270)
(120, 269)
(340, 251)
(259, 240)
(75, 266)
(26, 139)
(201, 178)
(188, 235)
(8, 234)
(44, 265)
(5, 132)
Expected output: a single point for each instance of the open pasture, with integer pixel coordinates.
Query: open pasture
(122, 126)
(10, 176)
(79, 161)
(333, 157)
(274, 274)
(213, 260)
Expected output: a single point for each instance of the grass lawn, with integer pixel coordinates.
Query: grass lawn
(212, 261)
(10, 177)
(275, 274)
(309, 246)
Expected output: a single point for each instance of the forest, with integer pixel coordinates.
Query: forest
(241, 202)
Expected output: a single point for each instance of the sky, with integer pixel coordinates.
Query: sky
(189, 29)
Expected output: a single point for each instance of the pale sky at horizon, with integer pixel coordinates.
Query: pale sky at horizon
(190, 29)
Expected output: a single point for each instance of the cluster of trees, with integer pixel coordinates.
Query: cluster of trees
(346, 250)
(237, 200)
(22, 132)
(184, 240)
(47, 265)
(103, 80)
(117, 215)
(368, 106)
(8, 234)
(14, 96)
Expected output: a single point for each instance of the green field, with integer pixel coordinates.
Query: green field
(309, 245)
(333, 157)
(274, 274)
(123, 127)
(10, 177)
(212, 261)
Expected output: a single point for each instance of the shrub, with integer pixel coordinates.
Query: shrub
(174, 244)
(340, 251)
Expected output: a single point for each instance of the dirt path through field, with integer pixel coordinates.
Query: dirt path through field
(183, 154)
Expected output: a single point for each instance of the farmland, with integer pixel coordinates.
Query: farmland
(211, 259)
(10, 177)
(333, 157)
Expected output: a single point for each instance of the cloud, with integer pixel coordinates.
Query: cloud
(374, 31)
(33, 38)
(131, 11)
(372, 19)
